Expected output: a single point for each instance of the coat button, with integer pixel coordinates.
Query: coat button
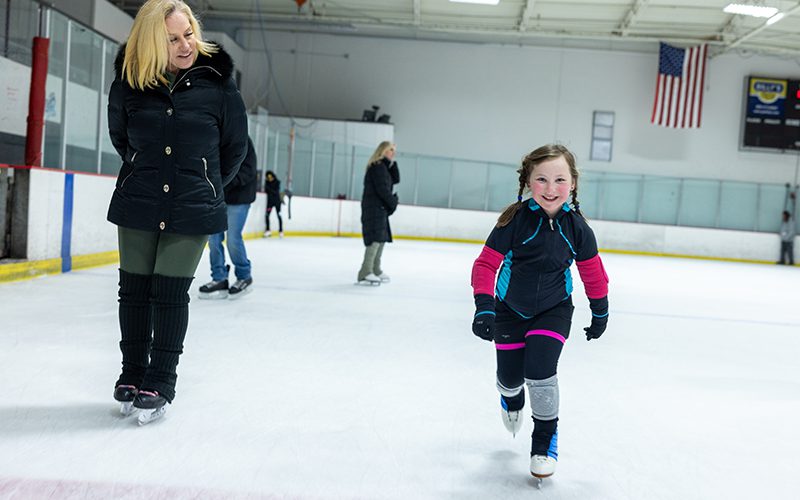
(188, 83)
(168, 150)
(162, 226)
(166, 188)
(169, 111)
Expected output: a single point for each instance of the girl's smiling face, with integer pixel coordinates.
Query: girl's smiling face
(551, 184)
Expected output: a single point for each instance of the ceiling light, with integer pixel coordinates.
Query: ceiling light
(485, 2)
(750, 10)
(774, 19)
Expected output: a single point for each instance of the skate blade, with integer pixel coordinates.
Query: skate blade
(234, 296)
(367, 283)
(147, 416)
(218, 295)
(127, 408)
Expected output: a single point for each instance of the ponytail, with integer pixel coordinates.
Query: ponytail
(510, 211)
(576, 206)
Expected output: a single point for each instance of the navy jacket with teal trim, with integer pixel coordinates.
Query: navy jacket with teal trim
(537, 254)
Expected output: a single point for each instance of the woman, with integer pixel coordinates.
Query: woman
(377, 204)
(179, 124)
(272, 186)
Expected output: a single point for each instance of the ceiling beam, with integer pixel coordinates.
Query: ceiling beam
(734, 43)
(417, 13)
(527, 13)
(630, 17)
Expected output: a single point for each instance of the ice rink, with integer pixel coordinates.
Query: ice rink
(313, 388)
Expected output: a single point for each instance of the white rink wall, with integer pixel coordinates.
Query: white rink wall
(90, 233)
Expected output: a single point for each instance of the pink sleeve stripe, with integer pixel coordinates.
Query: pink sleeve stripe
(547, 333)
(594, 277)
(484, 271)
(510, 347)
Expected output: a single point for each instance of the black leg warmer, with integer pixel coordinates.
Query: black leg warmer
(542, 436)
(135, 325)
(170, 321)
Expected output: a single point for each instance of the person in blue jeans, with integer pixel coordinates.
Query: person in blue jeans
(239, 194)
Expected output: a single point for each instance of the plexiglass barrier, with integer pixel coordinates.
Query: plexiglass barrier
(324, 169)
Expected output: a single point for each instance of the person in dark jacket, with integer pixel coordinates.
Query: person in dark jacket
(178, 122)
(377, 204)
(272, 186)
(527, 309)
(239, 194)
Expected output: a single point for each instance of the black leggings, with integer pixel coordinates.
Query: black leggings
(278, 213)
(530, 348)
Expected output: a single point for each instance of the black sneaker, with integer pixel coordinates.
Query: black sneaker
(240, 288)
(214, 290)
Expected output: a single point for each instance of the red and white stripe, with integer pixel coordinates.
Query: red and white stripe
(679, 101)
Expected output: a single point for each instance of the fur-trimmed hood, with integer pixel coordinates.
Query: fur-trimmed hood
(221, 61)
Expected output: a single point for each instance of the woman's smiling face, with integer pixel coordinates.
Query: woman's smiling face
(182, 44)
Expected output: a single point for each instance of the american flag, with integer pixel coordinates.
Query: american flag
(679, 88)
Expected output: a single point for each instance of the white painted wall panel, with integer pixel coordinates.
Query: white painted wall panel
(496, 103)
(45, 214)
(91, 232)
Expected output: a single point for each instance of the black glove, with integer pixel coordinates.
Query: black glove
(599, 309)
(483, 324)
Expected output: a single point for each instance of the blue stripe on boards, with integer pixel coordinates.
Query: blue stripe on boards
(66, 225)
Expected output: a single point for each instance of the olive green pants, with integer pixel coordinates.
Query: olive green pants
(372, 261)
(174, 255)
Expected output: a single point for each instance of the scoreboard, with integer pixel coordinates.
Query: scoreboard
(772, 115)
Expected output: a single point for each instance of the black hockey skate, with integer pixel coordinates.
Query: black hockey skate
(125, 394)
(152, 404)
(240, 288)
(214, 290)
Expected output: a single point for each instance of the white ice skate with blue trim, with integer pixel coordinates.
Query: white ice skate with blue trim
(512, 420)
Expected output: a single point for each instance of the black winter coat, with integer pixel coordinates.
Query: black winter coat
(180, 147)
(242, 189)
(378, 202)
(273, 190)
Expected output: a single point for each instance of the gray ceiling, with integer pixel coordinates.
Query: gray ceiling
(610, 24)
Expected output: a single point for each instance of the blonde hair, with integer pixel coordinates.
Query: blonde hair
(535, 157)
(379, 152)
(147, 53)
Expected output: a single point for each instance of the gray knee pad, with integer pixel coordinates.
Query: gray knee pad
(508, 392)
(544, 397)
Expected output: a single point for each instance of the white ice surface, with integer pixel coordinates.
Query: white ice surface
(313, 388)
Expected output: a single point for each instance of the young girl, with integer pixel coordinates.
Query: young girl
(528, 310)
